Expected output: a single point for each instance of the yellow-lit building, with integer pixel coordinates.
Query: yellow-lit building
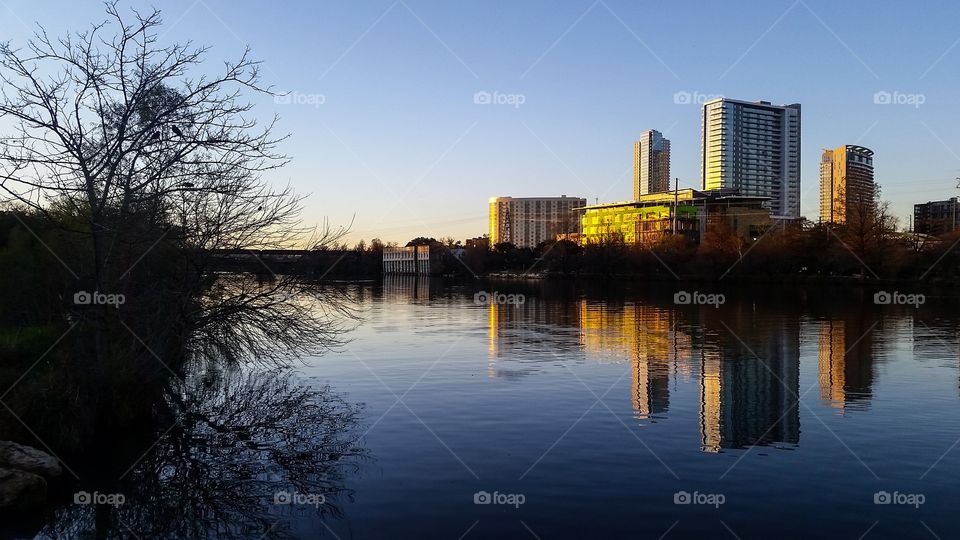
(846, 183)
(653, 216)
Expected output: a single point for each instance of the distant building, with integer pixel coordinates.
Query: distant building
(651, 164)
(753, 147)
(936, 217)
(846, 183)
(480, 242)
(410, 260)
(526, 222)
(653, 216)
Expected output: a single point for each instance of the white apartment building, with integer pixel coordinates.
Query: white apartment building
(755, 147)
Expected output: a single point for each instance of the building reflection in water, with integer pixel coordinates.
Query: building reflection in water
(648, 337)
(397, 287)
(746, 362)
(845, 363)
(748, 400)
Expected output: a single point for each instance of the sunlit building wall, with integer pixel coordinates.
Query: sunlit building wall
(653, 216)
(526, 222)
(754, 147)
(651, 164)
(847, 187)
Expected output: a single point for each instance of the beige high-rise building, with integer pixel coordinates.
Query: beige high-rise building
(526, 222)
(847, 188)
(651, 164)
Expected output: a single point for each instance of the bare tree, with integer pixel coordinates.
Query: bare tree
(155, 162)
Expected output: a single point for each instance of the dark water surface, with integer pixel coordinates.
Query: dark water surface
(779, 414)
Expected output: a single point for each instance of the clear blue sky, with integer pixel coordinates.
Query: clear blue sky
(399, 143)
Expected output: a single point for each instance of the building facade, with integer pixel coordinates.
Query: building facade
(753, 147)
(526, 222)
(689, 212)
(847, 188)
(409, 260)
(651, 164)
(936, 217)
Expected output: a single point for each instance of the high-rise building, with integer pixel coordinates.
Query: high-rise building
(526, 222)
(651, 164)
(937, 217)
(847, 189)
(754, 147)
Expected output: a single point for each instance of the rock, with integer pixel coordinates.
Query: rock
(26, 458)
(21, 489)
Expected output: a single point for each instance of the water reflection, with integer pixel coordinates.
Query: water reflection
(231, 442)
(744, 358)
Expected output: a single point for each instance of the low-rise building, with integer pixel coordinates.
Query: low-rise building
(408, 260)
(936, 217)
(689, 212)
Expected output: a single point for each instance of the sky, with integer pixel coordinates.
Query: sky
(406, 116)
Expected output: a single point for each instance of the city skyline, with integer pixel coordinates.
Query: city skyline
(554, 101)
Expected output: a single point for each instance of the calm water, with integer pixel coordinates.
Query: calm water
(782, 414)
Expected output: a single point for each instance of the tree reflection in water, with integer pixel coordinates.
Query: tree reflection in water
(232, 440)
